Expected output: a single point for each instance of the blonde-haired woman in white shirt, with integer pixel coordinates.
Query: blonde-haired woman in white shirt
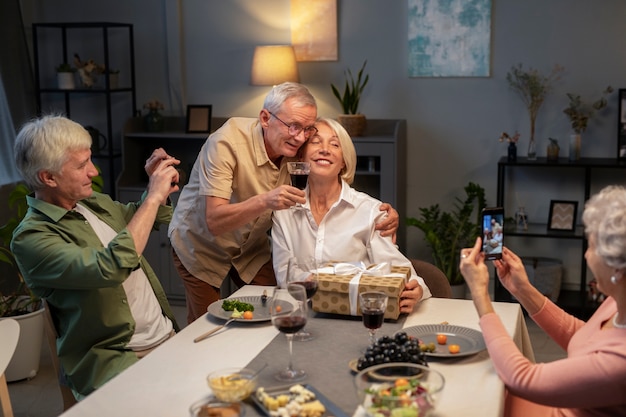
(337, 222)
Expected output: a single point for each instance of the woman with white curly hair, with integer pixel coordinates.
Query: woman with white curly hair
(591, 381)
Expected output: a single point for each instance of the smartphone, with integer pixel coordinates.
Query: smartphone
(493, 232)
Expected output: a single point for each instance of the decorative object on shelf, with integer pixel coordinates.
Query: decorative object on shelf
(65, 76)
(199, 118)
(521, 219)
(447, 232)
(579, 114)
(562, 215)
(533, 88)
(154, 121)
(553, 150)
(88, 71)
(98, 140)
(353, 121)
(114, 78)
(621, 124)
(512, 149)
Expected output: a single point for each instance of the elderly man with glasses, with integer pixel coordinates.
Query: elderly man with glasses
(221, 223)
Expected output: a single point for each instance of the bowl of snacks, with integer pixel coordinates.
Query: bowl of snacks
(399, 389)
(232, 384)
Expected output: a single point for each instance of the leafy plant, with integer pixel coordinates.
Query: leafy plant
(446, 233)
(21, 300)
(65, 67)
(533, 88)
(579, 113)
(352, 91)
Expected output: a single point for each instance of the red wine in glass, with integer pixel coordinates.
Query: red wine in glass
(299, 179)
(373, 319)
(290, 324)
(309, 286)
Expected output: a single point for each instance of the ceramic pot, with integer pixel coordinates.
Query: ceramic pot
(353, 123)
(553, 152)
(512, 152)
(154, 121)
(25, 361)
(65, 80)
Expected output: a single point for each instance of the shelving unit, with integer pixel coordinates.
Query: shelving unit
(110, 43)
(573, 301)
(381, 168)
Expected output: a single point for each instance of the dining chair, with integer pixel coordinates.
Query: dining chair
(51, 334)
(434, 278)
(9, 334)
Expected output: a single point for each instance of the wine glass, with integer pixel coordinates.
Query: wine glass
(288, 310)
(299, 172)
(303, 272)
(373, 306)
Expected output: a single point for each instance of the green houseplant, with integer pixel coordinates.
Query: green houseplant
(533, 88)
(446, 233)
(351, 119)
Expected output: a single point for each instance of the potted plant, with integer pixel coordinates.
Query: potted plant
(65, 76)
(446, 233)
(351, 119)
(533, 88)
(579, 114)
(17, 301)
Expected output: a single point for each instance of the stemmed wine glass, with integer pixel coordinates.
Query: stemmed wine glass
(373, 306)
(299, 172)
(288, 310)
(303, 272)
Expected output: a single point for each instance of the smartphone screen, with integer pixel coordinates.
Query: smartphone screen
(493, 232)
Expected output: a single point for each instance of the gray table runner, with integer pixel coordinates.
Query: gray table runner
(338, 339)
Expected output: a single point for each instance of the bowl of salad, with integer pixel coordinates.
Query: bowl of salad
(399, 389)
(232, 384)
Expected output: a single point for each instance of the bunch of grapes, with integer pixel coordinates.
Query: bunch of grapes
(399, 348)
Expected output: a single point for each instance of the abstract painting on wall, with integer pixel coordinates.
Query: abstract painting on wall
(449, 38)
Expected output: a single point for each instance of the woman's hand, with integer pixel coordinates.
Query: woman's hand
(511, 271)
(410, 296)
(474, 270)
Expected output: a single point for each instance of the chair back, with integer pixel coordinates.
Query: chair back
(52, 335)
(9, 334)
(434, 278)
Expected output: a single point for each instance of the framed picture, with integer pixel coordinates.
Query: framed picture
(621, 125)
(562, 215)
(199, 118)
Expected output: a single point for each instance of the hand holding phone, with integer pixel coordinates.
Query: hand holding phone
(492, 232)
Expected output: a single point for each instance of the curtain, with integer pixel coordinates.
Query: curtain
(17, 98)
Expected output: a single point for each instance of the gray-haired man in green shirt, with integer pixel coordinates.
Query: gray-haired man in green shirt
(81, 251)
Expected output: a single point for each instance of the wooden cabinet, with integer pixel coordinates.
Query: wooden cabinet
(381, 172)
(107, 104)
(574, 301)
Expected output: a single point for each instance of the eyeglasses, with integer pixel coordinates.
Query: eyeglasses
(294, 129)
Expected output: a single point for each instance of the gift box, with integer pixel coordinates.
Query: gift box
(337, 292)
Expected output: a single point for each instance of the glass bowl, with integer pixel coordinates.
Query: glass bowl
(232, 384)
(212, 407)
(399, 388)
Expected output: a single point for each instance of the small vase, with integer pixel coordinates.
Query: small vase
(574, 146)
(153, 121)
(512, 152)
(532, 150)
(553, 152)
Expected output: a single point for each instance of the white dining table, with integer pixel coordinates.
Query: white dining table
(173, 376)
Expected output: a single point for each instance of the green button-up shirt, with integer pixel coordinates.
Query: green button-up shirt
(63, 260)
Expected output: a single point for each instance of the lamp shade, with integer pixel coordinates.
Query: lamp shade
(273, 65)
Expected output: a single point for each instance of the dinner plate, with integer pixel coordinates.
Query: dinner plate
(381, 377)
(331, 408)
(261, 312)
(470, 341)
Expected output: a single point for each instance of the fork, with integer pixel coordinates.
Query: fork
(212, 331)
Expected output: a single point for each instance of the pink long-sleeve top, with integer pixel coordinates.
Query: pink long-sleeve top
(591, 381)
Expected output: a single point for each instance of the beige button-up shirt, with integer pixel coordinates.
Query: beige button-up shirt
(232, 164)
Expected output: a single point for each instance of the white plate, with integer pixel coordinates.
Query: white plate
(261, 312)
(471, 341)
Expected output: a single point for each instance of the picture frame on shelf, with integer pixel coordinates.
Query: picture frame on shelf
(621, 124)
(562, 215)
(199, 118)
